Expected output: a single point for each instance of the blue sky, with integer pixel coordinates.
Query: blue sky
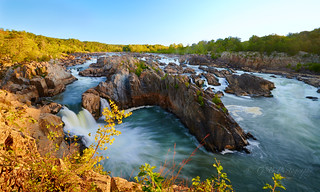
(159, 22)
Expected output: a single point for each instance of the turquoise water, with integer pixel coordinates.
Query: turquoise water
(287, 127)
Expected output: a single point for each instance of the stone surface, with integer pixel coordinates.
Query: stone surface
(173, 68)
(34, 80)
(212, 80)
(249, 85)
(91, 102)
(189, 70)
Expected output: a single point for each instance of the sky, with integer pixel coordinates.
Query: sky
(159, 21)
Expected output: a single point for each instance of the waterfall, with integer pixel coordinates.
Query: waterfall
(80, 125)
(103, 104)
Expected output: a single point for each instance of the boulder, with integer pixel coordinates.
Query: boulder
(189, 70)
(198, 60)
(312, 98)
(249, 85)
(41, 86)
(173, 68)
(93, 72)
(91, 102)
(197, 80)
(53, 108)
(212, 80)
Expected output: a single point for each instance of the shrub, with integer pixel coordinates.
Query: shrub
(313, 67)
(201, 100)
(277, 183)
(216, 100)
(215, 183)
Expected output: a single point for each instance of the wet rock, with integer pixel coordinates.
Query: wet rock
(212, 80)
(91, 102)
(273, 76)
(312, 98)
(92, 72)
(197, 80)
(249, 85)
(250, 136)
(173, 68)
(189, 70)
(318, 91)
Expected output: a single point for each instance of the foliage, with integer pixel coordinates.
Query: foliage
(313, 67)
(216, 100)
(200, 98)
(292, 44)
(152, 181)
(21, 46)
(141, 65)
(220, 183)
(277, 183)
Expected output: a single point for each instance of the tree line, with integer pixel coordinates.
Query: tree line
(20, 46)
(292, 44)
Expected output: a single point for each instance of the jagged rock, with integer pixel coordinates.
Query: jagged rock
(193, 106)
(173, 68)
(197, 80)
(199, 60)
(91, 102)
(34, 80)
(41, 86)
(120, 184)
(93, 72)
(314, 81)
(212, 80)
(53, 108)
(189, 70)
(249, 85)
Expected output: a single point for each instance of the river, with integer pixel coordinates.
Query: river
(287, 128)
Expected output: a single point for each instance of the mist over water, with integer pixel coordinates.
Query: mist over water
(287, 128)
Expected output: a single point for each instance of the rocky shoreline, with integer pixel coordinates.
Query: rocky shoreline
(132, 82)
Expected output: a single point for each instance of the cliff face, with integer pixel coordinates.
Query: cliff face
(275, 61)
(176, 94)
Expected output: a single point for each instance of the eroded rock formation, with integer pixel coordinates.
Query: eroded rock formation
(176, 94)
(249, 85)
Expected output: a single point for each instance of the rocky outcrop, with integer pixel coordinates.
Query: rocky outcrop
(91, 101)
(197, 80)
(173, 68)
(258, 61)
(18, 118)
(198, 60)
(34, 80)
(189, 70)
(195, 108)
(93, 72)
(249, 85)
(212, 80)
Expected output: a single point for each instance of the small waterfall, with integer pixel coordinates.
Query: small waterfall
(103, 104)
(80, 125)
